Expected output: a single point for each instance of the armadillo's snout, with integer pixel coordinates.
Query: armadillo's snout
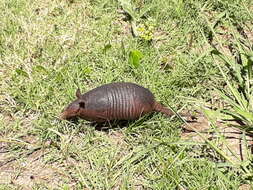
(70, 112)
(67, 116)
(63, 115)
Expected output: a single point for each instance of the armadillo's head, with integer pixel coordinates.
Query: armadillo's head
(75, 108)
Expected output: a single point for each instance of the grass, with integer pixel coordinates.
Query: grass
(50, 48)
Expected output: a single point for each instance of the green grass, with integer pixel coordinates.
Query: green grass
(48, 49)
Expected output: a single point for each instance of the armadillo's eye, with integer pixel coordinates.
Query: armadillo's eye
(82, 104)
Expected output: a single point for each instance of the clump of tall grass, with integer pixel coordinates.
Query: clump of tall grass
(236, 70)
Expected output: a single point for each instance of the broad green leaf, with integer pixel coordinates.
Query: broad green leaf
(134, 58)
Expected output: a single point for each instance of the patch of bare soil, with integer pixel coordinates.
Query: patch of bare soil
(117, 138)
(29, 170)
(229, 139)
(32, 167)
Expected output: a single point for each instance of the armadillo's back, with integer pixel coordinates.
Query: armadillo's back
(120, 100)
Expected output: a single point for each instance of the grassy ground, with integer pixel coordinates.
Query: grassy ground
(50, 48)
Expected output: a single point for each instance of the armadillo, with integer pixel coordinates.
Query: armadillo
(114, 101)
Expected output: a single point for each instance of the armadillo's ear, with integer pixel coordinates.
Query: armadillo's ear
(78, 93)
(82, 104)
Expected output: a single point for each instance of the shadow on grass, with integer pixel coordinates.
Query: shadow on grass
(106, 126)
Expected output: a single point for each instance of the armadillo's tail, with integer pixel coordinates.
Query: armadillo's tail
(168, 112)
(160, 108)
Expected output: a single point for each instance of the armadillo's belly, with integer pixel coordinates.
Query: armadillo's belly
(120, 101)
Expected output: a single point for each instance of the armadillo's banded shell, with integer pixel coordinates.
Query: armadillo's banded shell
(119, 101)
